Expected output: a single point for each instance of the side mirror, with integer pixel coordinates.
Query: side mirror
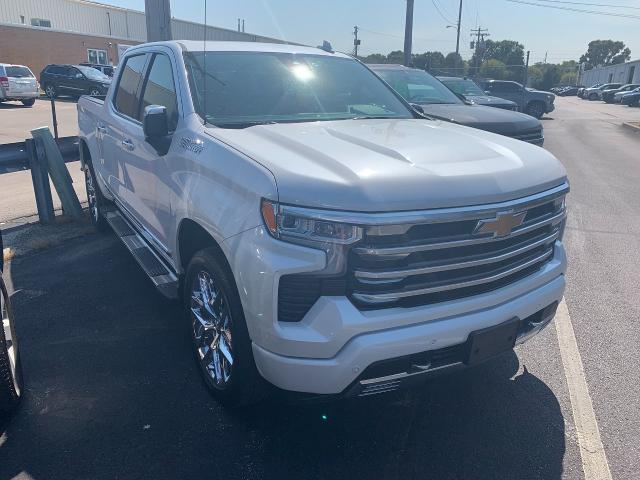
(154, 122)
(417, 108)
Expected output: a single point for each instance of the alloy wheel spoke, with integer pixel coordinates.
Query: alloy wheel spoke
(225, 349)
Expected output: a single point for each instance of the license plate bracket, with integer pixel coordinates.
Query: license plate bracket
(491, 341)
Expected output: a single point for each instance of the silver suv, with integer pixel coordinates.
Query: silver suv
(532, 102)
(17, 82)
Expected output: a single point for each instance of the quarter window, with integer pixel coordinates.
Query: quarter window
(127, 97)
(160, 89)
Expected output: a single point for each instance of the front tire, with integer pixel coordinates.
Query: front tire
(95, 200)
(593, 96)
(50, 91)
(10, 367)
(221, 342)
(29, 102)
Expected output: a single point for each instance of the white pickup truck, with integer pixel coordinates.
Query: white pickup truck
(322, 235)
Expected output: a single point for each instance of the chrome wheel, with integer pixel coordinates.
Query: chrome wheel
(50, 91)
(10, 343)
(211, 324)
(92, 198)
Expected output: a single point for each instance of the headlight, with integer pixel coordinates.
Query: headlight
(306, 226)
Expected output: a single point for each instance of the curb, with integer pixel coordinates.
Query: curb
(633, 126)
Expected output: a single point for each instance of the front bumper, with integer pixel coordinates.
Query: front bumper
(335, 342)
(550, 107)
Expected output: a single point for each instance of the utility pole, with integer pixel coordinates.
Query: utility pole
(459, 26)
(545, 57)
(356, 41)
(158, 15)
(408, 33)
(478, 43)
(526, 69)
(243, 25)
(238, 23)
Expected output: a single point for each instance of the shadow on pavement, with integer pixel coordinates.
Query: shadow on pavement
(113, 392)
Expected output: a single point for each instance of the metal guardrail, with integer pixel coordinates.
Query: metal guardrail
(15, 157)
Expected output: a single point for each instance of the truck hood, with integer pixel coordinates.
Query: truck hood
(392, 165)
(504, 122)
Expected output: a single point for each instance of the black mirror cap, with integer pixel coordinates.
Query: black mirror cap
(154, 121)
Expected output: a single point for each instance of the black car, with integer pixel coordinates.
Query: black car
(10, 370)
(471, 91)
(73, 80)
(431, 96)
(568, 91)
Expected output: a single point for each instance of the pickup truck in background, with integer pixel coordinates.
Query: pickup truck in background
(322, 235)
(530, 101)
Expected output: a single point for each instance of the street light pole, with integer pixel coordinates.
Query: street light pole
(408, 33)
(459, 25)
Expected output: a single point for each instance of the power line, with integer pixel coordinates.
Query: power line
(594, 12)
(591, 4)
(440, 12)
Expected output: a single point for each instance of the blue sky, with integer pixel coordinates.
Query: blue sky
(563, 35)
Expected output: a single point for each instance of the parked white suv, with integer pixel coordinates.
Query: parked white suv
(18, 82)
(323, 235)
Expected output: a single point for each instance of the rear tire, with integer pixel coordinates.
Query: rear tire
(221, 343)
(593, 96)
(29, 102)
(10, 366)
(95, 199)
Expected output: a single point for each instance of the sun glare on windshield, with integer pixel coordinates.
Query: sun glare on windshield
(302, 72)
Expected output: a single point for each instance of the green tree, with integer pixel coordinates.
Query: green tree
(508, 52)
(428, 60)
(375, 58)
(605, 52)
(494, 69)
(397, 56)
(454, 65)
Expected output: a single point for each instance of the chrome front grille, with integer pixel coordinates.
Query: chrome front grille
(442, 257)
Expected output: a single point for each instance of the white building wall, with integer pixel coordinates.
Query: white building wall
(97, 19)
(613, 74)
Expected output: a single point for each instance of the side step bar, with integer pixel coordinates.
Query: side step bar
(158, 271)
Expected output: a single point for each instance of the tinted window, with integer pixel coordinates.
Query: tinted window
(160, 89)
(239, 89)
(18, 72)
(505, 87)
(462, 86)
(127, 100)
(56, 70)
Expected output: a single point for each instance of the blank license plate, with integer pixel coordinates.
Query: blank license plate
(489, 342)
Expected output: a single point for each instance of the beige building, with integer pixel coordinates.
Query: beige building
(36, 33)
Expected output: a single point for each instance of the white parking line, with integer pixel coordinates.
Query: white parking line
(594, 458)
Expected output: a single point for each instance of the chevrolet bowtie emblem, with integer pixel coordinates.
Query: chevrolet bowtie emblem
(502, 225)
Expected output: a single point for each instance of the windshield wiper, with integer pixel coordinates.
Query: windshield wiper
(372, 117)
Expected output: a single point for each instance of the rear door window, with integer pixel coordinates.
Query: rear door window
(159, 89)
(127, 98)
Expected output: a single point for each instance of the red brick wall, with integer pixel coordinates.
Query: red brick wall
(36, 48)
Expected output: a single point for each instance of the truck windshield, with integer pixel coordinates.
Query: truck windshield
(93, 74)
(417, 86)
(241, 89)
(463, 86)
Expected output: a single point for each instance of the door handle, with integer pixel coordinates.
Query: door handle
(128, 144)
(101, 129)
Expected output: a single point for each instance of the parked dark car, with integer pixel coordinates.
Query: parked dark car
(10, 370)
(568, 91)
(431, 96)
(530, 101)
(73, 80)
(632, 99)
(472, 92)
(609, 95)
(108, 70)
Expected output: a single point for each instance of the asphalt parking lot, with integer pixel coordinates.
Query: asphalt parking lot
(112, 390)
